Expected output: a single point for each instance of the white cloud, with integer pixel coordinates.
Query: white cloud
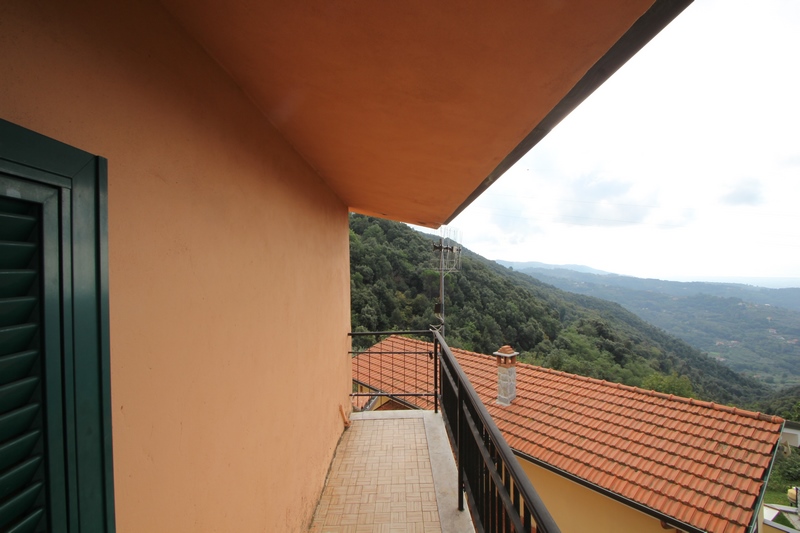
(746, 192)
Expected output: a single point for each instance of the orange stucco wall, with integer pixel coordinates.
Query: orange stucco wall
(229, 278)
(576, 509)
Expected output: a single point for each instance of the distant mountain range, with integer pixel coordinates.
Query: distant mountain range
(783, 297)
(771, 283)
(544, 266)
(751, 329)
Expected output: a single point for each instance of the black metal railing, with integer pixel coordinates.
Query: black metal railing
(426, 375)
(392, 365)
(499, 494)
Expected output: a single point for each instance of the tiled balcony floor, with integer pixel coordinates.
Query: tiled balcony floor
(393, 471)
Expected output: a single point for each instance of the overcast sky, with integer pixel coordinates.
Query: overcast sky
(684, 165)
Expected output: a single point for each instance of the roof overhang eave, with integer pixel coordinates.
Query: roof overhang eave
(655, 19)
(668, 520)
(760, 500)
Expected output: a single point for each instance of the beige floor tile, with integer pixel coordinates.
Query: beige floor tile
(379, 478)
(380, 481)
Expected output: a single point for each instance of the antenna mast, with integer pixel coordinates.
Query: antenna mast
(449, 261)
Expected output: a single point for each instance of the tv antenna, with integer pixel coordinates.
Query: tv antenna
(449, 261)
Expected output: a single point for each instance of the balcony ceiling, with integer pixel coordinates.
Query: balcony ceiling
(408, 110)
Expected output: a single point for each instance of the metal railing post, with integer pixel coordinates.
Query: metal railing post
(435, 375)
(459, 449)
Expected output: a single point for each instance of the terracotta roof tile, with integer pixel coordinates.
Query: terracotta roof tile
(695, 461)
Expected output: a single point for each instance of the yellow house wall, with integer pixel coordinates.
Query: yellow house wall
(378, 402)
(577, 509)
(229, 277)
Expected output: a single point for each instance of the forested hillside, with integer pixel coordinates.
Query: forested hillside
(784, 403)
(757, 338)
(394, 285)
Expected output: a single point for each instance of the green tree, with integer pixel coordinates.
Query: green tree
(669, 384)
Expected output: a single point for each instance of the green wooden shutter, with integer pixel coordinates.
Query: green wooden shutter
(22, 441)
(55, 404)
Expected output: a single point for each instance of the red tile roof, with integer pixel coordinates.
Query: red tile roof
(697, 462)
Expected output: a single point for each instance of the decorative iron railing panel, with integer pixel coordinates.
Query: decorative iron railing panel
(390, 365)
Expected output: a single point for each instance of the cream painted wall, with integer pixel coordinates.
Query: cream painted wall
(229, 277)
(576, 509)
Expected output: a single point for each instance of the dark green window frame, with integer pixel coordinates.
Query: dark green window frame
(71, 185)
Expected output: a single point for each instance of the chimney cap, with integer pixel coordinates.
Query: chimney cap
(506, 351)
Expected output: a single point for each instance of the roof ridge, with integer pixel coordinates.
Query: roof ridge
(654, 394)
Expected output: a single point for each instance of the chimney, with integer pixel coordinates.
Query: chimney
(506, 375)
